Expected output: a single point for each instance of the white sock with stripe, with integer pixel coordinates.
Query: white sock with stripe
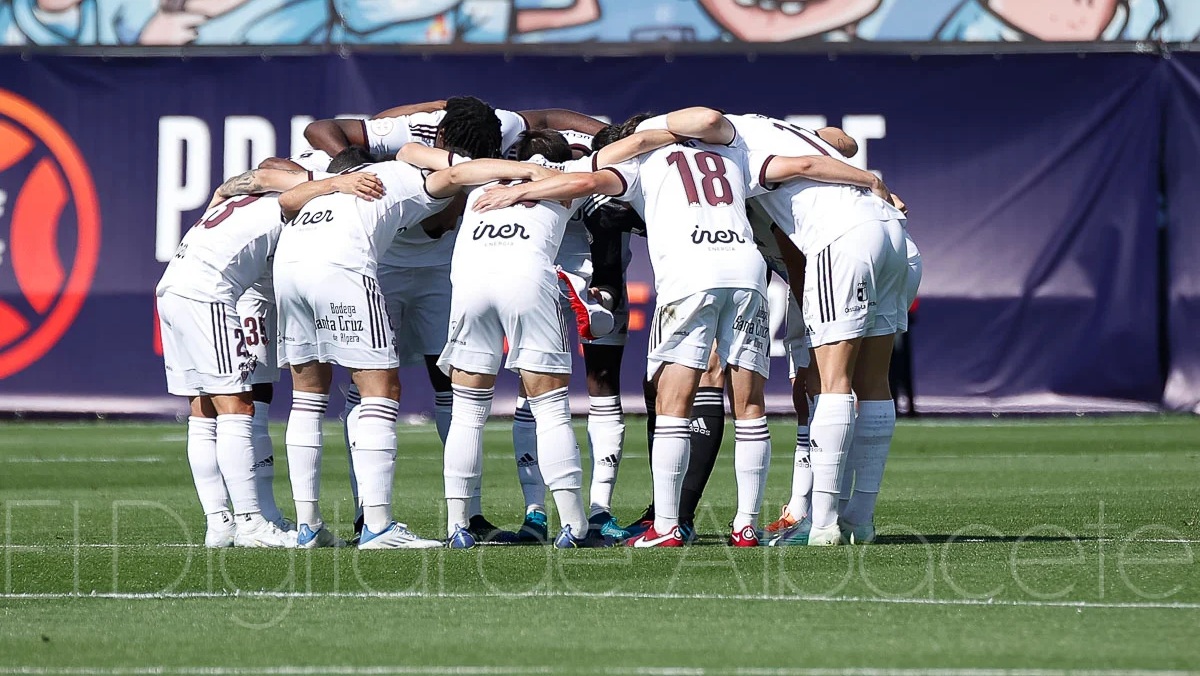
(558, 456)
(304, 440)
(206, 473)
(264, 463)
(672, 446)
(349, 427)
(751, 460)
(464, 451)
(524, 435)
(375, 458)
(873, 432)
(235, 457)
(606, 438)
(802, 476)
(443, 408)
(832, 431)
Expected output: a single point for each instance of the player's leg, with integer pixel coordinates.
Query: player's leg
(235, 456)
(708, 431)
(260, 326)
(650, 395)
(349, 419)
(264, 456)
(529, 474)
(304, 440)
(876, 422)
(682, 335)
(178, 332)
(606, 432)
(744, 344)
(799, 358)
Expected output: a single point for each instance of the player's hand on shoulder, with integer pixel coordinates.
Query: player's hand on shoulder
(899, 204)
(880, 190)
(360, 184)
(496, 197)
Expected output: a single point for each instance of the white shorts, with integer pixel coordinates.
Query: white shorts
(203, 349)
(525, 311)
(912, 281)
(418, 302)
(683, 332)
(332, 315)
(794, 344)
(854, 288)
(260, 329)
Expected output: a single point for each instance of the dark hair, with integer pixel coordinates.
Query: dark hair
(349, 158)
(470, 128)
(545, 142)
(618, 131)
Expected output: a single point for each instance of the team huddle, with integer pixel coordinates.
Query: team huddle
(468, 238)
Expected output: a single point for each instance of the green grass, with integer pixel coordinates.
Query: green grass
(1056, 544)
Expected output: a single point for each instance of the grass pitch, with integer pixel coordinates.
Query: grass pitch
(1057, 544)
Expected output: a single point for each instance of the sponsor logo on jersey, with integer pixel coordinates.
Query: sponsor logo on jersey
(507, 231)
(716, 236)
(49, 232)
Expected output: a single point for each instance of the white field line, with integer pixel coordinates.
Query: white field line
(640, 596)
(83, 459)
(468, 670)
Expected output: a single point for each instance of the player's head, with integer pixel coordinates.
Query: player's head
(350, 157)
(616, 132)
(545, 142)
(469, 128)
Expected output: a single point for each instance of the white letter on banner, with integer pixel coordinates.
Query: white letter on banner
(180, 187)
(249, 139)
(863, 128)
(298, 142)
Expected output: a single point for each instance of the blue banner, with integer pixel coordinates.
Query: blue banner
(1032, 182)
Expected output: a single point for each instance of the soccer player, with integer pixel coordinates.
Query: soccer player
(853, 240)
(332, 312)
(206, 356)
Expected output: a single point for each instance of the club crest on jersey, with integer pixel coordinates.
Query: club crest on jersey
(716, 237)
(49, 232)
(507, 231)
(382, 126)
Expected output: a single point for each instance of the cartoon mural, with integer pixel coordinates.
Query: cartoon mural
(267, 22)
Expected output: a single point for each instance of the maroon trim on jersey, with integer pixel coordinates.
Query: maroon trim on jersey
(310, 175)
(595, 159)
(762, 174)
(366, 139)
(581, 148)
(624, 185)
(735, 136)
(425, 187)
(449, 158)
(523, 118)
(814, 144)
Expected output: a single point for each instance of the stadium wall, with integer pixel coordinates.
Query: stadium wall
(1039, 186)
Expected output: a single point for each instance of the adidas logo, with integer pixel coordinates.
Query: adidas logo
(611, 461)
(269, 461)
(805, 462)
(526, 460)
(699, 427)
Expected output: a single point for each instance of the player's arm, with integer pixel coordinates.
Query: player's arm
(560, 188)
(412, 109)
(793, 260)
(633, 145)
(447, 182)
(834, 136)
(258, 181)
(280, 163)
(698, 122)
(360, 184)
(823, 169)
(421, 155)
(334, 136)
(561, 118)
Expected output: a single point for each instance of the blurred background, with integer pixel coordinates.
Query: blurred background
(1049, 151)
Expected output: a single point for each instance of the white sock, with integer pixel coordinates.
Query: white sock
(751, 460)
(303, 440)
(524, 435)
(873, 433)
(443, 408)
(475, 504)
(206, 473)
(375, 458)
(832, 430)
(558, 456)
(672, 446)
(350, 420)
(464, 451)
(264, 463)
(235, 457)
(802, 476)
(606, 437)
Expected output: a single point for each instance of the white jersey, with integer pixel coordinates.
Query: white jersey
(522, 239)
(313, 160)
(345, 231)
(818, 212)
(227, 251)
(693, 198)
(385, 135)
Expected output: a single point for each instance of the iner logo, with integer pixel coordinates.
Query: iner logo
(716, 236)
(50, 227)
(507, 231)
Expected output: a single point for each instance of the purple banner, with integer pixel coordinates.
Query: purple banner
(1032, 182)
